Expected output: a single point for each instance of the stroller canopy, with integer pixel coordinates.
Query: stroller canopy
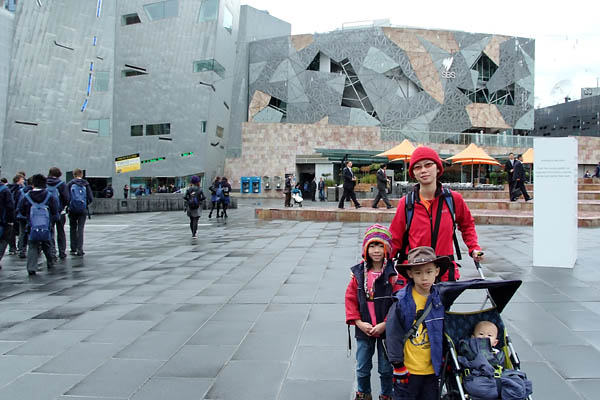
(500, 291)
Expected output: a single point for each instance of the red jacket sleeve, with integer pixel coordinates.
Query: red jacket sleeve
(397, 227)
(352, 310)
(465, 222)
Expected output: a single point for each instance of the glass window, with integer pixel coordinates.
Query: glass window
(158, 129)
(163, 9)
(209, 10)
(209, 65)
(202, 126)
(227, 19)
(130, 19)
(101, 82)
(137, 130)
(101, 126)
(220, 131)
(132, 72)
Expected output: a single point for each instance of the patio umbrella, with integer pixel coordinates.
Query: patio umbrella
(401, 152)
(473, 155)
(528, 159)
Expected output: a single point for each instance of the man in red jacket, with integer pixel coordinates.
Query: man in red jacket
(425, 229)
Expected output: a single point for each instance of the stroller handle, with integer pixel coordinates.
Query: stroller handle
(479, 269)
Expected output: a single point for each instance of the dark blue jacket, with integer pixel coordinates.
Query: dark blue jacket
(17, 196)
(38, 196)
(401, 318)
(7, 205)
(382, 296)
(63, 191)
(81, 182)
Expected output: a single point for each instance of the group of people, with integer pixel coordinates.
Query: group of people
(392, 293)
(308, 190)
(33, 215)
(220, 190)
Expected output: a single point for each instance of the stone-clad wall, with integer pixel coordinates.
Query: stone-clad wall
(589, 149)
(271, 149)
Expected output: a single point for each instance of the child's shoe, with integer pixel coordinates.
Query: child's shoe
(384, 397)
(363, 396)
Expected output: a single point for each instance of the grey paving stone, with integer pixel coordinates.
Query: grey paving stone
(29, 329)
(587, 388)
(238, 312)
(333, 365)
(154, 345)
(38, 387)
(51, 343)
(120, 332)
(249, 380)
(173, 388)
(221, 333)
(573, 362)
(266, 346)
(82, 358)
(5, 346)
(547, 384)
(116, 378)
(185, 321)
(11, 367)
(197, 362)
(294, 389)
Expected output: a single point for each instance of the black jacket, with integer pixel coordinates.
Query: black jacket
(63, 192)
(348, 182)
(7, 205)
(38, 196)
(519, 172)
(82, 182)
(507, 167)
(382, 180)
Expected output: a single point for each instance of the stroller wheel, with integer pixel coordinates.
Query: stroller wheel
(300, 204)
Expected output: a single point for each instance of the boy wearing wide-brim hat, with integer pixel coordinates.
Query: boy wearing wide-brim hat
(414, 327)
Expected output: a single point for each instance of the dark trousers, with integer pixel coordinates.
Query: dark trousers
(12, 239)
(59, 237)
(419, 387)
(288, 199)
(511, 186)
(76, 225)
(5, 239)
(32, 253)
(22, 242)
(521, 185)
(194, 225)
(381, 195)
(349, 195)
(218, 205)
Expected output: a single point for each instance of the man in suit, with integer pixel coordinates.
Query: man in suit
(519, 180)
(349, 183)
(382, 182)
(509, 167)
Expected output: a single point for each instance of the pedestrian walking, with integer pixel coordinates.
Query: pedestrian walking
(226, 189)
(519, 182)
(313, 189)
(287, 191)
(349, 184)
(194, 197)
(14, 187)
(321, 188)
(7, 218)
(125, 191)
(80, 198)
(509, 167)
(216, 194)
(58, 189)
(382, 182)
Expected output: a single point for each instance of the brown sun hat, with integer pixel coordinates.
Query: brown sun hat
(424, 255)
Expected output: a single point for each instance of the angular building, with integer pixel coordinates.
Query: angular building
(188, 87)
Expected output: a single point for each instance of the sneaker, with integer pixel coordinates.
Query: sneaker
(363, 396)
(73, 252)
(22, 255)
(374, 207)
(80, 254)
(358, 206)
(12, 252)
(54, 259)
(62, 255)
(194, 237)
(31, 273)
(384, 397)
(388, 207)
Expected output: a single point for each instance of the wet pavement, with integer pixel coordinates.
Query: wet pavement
(253, 309)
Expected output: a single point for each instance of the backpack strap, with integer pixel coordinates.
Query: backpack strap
(29, 199)
(409, 210)
(413, 329)
(450, 203)
(45, 202)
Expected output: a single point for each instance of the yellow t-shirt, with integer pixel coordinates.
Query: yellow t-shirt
(417, 351)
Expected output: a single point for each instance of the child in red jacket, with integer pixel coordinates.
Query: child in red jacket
(368, 299)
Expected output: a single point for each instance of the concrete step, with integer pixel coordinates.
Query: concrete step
(366, 214)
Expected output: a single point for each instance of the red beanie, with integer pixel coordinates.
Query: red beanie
(425, 153)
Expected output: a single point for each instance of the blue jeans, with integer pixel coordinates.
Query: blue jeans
(365, 348)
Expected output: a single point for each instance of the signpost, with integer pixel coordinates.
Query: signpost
(128, 163)
(555, 202)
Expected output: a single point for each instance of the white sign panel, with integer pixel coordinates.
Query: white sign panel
(555, 202)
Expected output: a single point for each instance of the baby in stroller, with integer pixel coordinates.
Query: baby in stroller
(297, 195)
(485, 374)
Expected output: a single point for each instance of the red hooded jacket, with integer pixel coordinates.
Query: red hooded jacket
(423, 223)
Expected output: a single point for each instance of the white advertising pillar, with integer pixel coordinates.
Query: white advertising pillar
(555, 202)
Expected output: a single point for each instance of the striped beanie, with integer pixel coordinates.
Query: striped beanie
(377, 233)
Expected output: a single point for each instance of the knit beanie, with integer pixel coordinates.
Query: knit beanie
(425, 153)
(378, 233)
(195, 180)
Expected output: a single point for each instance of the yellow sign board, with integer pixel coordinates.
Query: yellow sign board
(128, 163)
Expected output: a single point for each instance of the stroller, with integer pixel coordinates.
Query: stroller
(297, 197)
(459, 325)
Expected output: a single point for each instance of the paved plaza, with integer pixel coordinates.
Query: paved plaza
(253, 309)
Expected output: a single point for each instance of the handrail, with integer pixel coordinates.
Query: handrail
(480, 139)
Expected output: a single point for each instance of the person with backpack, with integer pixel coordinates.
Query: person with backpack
(17, 183)
(7, 218)
(108, 192)
(194, 198)
(58, 189)
(215, 192)
(81, 197)
(430, 214)
(41, 210)
(22, 219)
(224, 197)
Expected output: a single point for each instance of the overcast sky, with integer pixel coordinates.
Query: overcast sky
(567, 33)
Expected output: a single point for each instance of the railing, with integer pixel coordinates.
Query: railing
(480, 139)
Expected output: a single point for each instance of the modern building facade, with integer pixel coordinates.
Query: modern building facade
(190, 85)
(572, 118)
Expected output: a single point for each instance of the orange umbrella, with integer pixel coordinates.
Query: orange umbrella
(401, 152)
(528, 156)
(473, 155)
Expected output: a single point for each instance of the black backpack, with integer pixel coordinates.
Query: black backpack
(409, 209)
(195, 197)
